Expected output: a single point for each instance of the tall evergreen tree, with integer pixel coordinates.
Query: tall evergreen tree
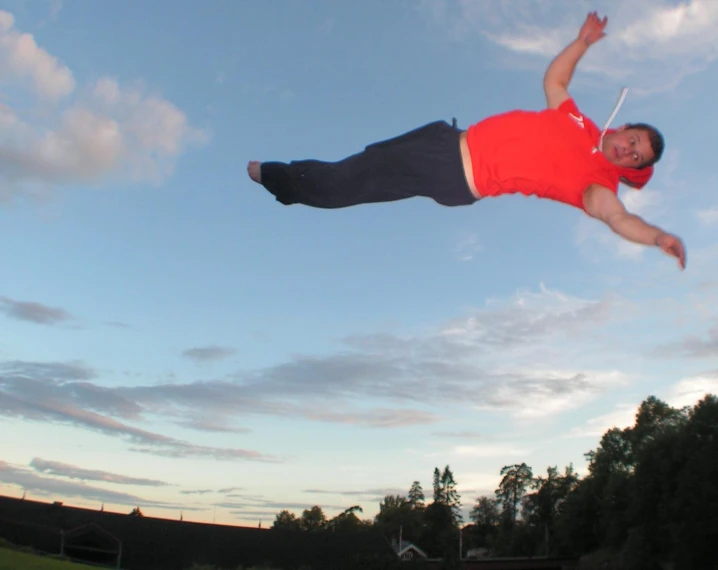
(445, 492)
(438, 490)
(416, 496)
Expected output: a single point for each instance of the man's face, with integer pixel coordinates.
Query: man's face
(628, 147)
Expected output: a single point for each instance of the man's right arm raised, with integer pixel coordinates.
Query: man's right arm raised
(559, 73)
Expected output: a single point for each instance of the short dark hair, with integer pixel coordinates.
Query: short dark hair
(656, 139)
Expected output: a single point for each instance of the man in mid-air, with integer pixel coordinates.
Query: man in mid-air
(557, 153)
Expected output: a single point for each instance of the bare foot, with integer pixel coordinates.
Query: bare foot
(254, 169)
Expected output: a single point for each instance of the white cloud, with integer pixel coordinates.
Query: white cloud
(467, 246)
(690, 390)
(497, 451)
(21, 59)
(480, 483)
(687, 392)
(101, 132)
(642, 202)
(537, 393)
(622, 417)
(709, 216)
(652, 44)
(671, 29)
(530, 318)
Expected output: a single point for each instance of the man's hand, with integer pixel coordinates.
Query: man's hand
(672, 245)
(592, 29)
(604, 205)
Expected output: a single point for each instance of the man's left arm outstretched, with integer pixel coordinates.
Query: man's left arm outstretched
(603, 204)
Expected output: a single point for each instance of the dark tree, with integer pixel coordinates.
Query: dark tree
(313, 519)
(416, 496)
(396, 518)
(445, 492)
(486, 517)
(516, 478)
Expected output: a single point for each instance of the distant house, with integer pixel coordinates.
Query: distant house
(480, 552)
(91, 543)
(409, 552)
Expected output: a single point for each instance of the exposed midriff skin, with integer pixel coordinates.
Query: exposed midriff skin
(468, 168)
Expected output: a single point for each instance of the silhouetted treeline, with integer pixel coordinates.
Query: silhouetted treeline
(650, 498)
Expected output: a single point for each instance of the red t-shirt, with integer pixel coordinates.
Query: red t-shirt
(549, 153)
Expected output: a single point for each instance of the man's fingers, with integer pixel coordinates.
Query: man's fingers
(673, 246)
(676, 249)
(682, 255)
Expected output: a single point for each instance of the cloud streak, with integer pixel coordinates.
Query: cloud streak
(208, 353)
(690, 390)
(72, 472)
(692, 346)
(50, 486)
(376, 381)
(33, 312)
(58, 393)
(708, 216)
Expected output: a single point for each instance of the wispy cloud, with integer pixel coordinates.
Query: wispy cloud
(267, 506)
(623, 416)
(363, 494)
(59, 393)
(536, 393)
(468, 246)
(490, 451)
(380, 381)
(377, 418)
(33, 312)
(262, 91)
(708, 216)
(212, 425)
(686, 392)
(691, 346)
(49, 486)
(690, 390)
(457, 434)
(652, 44)
(208, 353)
(101, 131)
(73, 472)
(55, 7)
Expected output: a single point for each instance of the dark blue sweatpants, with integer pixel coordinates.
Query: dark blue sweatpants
(423, 162)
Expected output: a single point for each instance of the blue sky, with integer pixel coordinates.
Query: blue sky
(174, 338)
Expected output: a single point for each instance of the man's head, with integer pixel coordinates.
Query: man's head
(636, 145)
